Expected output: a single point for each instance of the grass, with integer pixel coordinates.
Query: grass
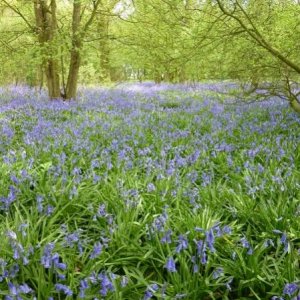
(148, 193)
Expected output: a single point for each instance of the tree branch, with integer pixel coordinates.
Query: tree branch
(257, 36)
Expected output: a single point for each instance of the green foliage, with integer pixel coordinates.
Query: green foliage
(172, 41)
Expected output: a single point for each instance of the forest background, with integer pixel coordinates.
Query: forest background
(60, 44)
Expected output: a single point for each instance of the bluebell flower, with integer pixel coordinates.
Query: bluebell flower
(96, 250)
(13, 270)
(22, 228)
(246, 244)
(7, 201)
(56, 262)
(16, 290)
(170, 265)
(150, 187)
(195, 265)
(106, 284)
(201, 251)
(284, 241)
(203, 258)
(210, 240)
(11, 235)
(25, 289)
(71, 239)
(226, 230)
(61, 276)
(151, 289)
(166, 239)
(218, 272)
(40, 200)
(102, 211)
(13, 289)
(283, 238)
(159, 222)
(290, 289)
(49, 210)
(83, 286)
(46, 259)
(195, 268)
(217, 231)
(64, 289)
(182, 243)
(93, 278)
(148, 295)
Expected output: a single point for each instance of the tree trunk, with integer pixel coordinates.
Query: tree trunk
(103, 27)
(75, 58)
(52, 77)
(46, 24)
(46, 27)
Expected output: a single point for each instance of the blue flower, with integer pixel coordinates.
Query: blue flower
(284, 241)
(13, 290)
(148, 295)
(182, 243)
(71, 239)
(46, 259)
(25, 289)
(56, 262)
(246, 245)
(218, 273)
(83, 286)
(63, 288)
(166, 239)
(210, 240)
(226, 230)
(150, 187)
(96, 250)
(106, 284)
(201, 251)
(170, 265)
(290, 289)
(150, 291)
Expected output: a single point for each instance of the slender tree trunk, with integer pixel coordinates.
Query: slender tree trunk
(46, 24)
(103, 27)
(78, 33)
(75, 59)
